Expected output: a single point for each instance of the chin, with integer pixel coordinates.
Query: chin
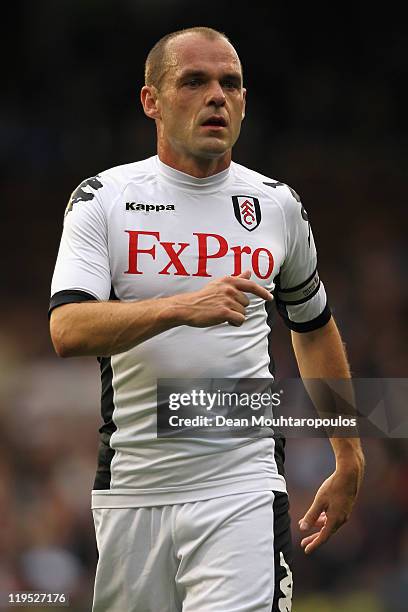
(212, 151)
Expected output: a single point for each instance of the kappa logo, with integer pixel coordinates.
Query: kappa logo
(247, 211)
(148, 207)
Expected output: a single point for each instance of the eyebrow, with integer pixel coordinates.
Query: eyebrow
(232, 76)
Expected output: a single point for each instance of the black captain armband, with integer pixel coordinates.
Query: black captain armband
(299, 294)
(295, 296)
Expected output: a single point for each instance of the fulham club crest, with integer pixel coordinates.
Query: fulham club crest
(247, 211)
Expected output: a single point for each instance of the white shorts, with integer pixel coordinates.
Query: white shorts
(227, 554)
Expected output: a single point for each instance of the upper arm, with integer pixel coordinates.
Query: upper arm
(82, 270)
(300, 295)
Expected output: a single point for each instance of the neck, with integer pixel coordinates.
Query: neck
(195, 166)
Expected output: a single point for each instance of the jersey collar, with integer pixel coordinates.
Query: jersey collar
(188, 182)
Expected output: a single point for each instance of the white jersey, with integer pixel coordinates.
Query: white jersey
(145, 230)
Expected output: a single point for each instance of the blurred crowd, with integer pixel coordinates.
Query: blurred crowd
(326, 114)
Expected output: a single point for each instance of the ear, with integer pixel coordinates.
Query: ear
(244, 101)
(149, 100)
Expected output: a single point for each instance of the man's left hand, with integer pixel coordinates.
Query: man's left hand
(331, 507)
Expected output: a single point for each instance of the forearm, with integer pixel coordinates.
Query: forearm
(107, 328)
(321, 355)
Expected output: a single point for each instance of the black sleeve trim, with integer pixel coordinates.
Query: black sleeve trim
(71, 296)
(307, 326)
(301, 293)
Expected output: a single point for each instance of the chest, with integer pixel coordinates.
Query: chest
(165, 242)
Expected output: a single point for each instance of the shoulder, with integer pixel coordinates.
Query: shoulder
(269, 185)
(108, 184)
(275, 190)
(119, 177)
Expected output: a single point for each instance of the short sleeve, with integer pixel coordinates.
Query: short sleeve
(82, 270)
(300, 295)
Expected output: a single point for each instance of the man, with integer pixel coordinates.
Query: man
(166, 268)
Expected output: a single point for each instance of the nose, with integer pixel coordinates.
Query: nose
(216, 94)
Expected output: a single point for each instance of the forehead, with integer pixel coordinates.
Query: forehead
(198, 52)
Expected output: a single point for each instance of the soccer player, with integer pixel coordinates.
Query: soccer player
(166, 269)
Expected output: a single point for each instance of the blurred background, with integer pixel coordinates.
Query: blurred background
(326, 114)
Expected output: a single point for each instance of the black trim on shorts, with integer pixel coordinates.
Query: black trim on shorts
(282, 543)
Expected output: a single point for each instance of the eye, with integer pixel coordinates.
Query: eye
(230, 84)
(193, 83)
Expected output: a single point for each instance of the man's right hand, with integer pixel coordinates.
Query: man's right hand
(222, 300)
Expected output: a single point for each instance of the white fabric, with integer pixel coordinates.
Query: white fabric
(209, 556)
(126, 233)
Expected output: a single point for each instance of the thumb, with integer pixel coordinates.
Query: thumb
(246, 274)
(312, 515)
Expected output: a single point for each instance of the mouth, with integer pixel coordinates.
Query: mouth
(215, 122)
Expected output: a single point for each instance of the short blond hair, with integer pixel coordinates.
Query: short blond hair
(155, 65)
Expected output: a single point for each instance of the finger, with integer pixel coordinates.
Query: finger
(236, 306)
(334, 523)
(235, 318)
(321, 521)
(325, 533)
(312, 515)
(241, 298)
(233, 293)
(321, 538)
(309, 539)
(246, 274)
(249, 286)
